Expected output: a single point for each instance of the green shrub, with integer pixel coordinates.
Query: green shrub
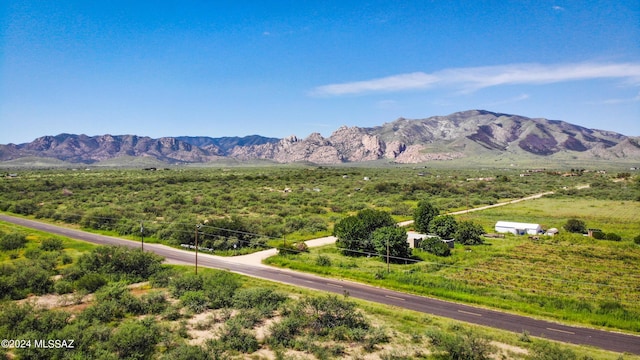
(91, 282)
(121, 263)
(637, 239)
(187, 352)
(435, 246)
(63, 287)
(264, 299)
(234, 337)
(575, 226)
(612, 237)
(51, 244)
(323, 260)
(119, 293)
(154, 302)
(463, 345)
(135, 339)
(13, 241)
(185, 282)
(220, 288)
(283, 333)
(549, 351)
(195, 301)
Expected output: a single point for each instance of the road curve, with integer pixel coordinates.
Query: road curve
(607, 340)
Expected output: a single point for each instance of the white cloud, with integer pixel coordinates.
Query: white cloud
(387, 104)
(622, 101)
(558, 8)
(514, 99)
(475, 78)
(417, 80)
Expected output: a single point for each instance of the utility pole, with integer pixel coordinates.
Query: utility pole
(142, 235)
(388, 270)
(197, 228)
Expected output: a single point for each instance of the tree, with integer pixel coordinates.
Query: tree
(354, 232)
(393, 237)
(444, 226)
(425, 212)
(469, 233)
(575, 226)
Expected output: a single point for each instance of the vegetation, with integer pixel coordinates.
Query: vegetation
(434, 245)
(355, 233)
(423, 215)
(568, 277)
(575, 226)
(217, 314)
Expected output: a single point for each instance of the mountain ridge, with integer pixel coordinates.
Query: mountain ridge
(458, 135)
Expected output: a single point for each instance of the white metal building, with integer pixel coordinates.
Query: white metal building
(518, 228)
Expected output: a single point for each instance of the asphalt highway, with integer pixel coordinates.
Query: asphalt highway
(613, 341)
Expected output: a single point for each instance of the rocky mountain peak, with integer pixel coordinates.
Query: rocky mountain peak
(404, 141)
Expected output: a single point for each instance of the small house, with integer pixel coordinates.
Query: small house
(517, 228)
(552, 232)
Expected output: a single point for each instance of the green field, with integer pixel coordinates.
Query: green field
(568, 277)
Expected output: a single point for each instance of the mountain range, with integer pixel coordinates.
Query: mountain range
(458, 135)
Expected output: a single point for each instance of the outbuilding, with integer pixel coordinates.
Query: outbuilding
(518, 228)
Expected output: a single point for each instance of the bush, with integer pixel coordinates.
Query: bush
(575, 226)
(121, 263)
(435, 246)
(549, 351)
(195, 301)
(13, 241)
(154, 302)
(187, 352)
(91, 282)
(51, 244)
(465, 345)
(220, 287)
(264, 299)
(186, 282)
(63, 287)
(284, 332)
(637, 239)
(323, 260)
(612, 237)
(233, 337)
(120, 294)
(135, 339)
(599, 235)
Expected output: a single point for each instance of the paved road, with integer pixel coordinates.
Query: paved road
(554, 331)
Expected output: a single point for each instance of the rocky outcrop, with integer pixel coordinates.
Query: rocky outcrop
(403, 141)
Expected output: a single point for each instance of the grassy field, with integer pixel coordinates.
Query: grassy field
(621, 217)
(568, 277)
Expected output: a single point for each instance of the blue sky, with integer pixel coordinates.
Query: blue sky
(278, 68)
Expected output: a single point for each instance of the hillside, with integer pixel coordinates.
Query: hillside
(463, 134)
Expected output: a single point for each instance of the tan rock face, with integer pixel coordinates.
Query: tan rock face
(403, 141)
